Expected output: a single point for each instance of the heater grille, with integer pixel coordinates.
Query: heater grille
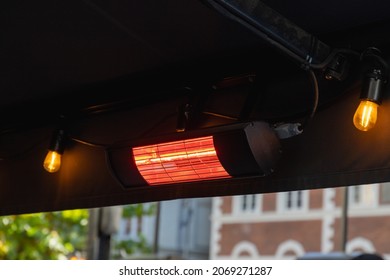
(179, 161)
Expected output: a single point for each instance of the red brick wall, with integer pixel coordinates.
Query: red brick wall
(268, 236)
(269, 202)
(375, 229)
(338, 199)
(315, 198)
(227, 206)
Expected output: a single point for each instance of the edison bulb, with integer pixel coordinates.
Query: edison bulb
(365, 115)
(52, 161)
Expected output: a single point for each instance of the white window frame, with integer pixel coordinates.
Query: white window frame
(367, 195)
(238, 204)
(281, 203)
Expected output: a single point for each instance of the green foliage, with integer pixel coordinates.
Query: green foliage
(139, 210)
(125, 248)
(131, 247)
(53, 235)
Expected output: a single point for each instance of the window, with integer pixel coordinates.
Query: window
(250, 203)
(293, 201)
(363, 195)
(385, 193)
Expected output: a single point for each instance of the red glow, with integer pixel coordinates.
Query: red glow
(179, 161)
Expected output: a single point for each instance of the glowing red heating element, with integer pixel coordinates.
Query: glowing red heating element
(179, 161)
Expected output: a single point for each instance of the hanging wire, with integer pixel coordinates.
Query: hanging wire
(157, 124)
(80, 141)
(288, 130)
(305, 62)
(316, 97)
(375, 54)
(88, 143)
(220, 115)
(40, 142)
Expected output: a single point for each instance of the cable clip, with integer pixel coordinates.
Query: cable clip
(288, 130)
(307, 64)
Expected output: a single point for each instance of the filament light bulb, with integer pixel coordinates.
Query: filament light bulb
(366, 115)
(52, 162)
(370, 98)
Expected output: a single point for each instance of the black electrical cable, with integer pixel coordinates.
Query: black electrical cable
(88, 143)
(305, 62)
(40, 142)
(316, 95)
(157, 124)
(331, 56)
(292, 129)
(220, 116)
(375, 54)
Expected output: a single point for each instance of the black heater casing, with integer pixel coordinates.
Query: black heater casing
(245, 149)
(253, 150)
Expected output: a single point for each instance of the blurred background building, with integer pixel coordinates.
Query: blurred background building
(178, 229)
(285, 225)
(291, 224)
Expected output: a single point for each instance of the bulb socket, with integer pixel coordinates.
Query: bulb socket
(57, 142)
(373, 87)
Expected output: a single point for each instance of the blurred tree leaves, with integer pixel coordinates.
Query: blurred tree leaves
(52, 235)
(138, 246)
(139, 210)
(133, 247)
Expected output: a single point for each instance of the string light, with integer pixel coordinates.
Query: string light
(367, 112)
(52, 162)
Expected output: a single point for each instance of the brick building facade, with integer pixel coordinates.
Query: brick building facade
(288, 225)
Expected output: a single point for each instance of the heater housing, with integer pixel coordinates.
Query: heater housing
(238, 150)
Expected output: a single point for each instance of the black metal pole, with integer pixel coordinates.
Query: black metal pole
(104, 240)
(344, 220)
(104, 247)
(157, 229)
